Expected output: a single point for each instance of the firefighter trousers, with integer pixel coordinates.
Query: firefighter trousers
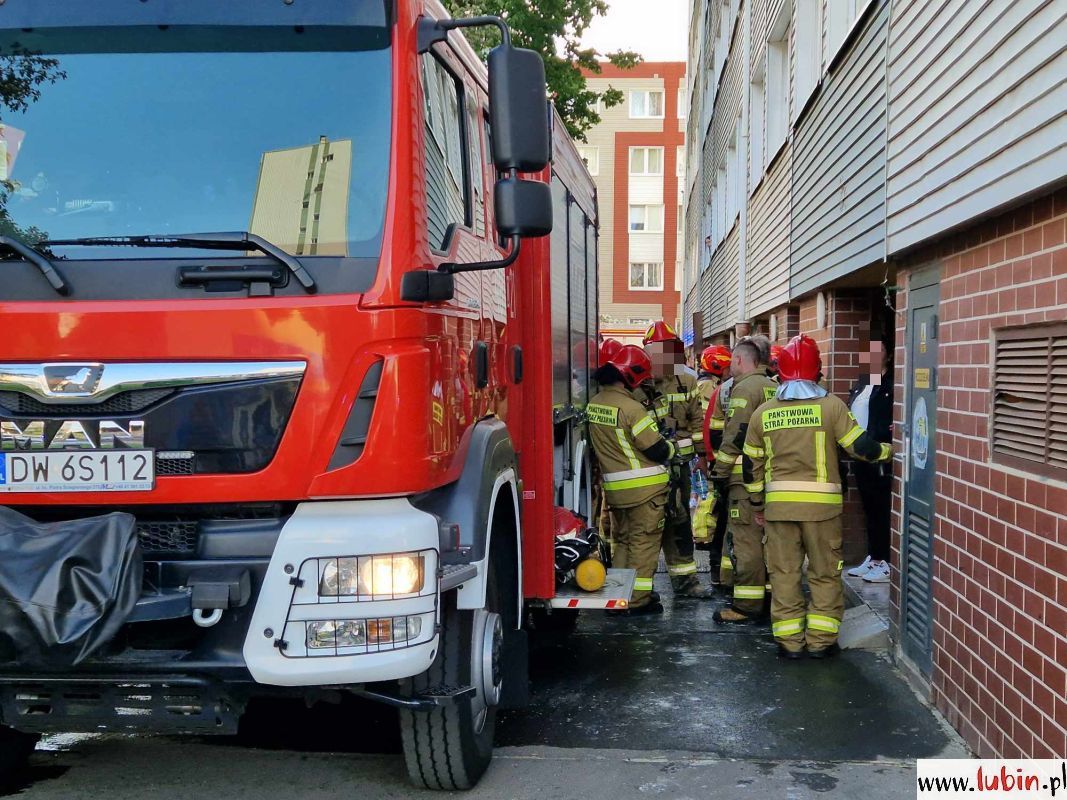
(678, 549)
(818, 624)
(638, 536)
(746, 539)
(720, 550)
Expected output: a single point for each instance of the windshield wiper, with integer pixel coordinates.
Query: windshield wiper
(39, 260)
(225, 240)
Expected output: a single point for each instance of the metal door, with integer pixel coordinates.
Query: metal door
(917, 543)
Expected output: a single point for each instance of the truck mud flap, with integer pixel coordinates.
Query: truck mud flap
(135, 704)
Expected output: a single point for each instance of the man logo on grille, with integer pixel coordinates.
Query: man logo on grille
(73, 379)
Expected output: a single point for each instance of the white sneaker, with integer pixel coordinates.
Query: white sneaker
(862, 569)
(878, 573)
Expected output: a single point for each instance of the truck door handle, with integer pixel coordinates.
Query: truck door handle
(481, 365)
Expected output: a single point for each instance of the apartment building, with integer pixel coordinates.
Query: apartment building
(897, 170)
(637, 158)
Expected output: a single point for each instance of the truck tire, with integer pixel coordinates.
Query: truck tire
(451, 746)
(15, 750)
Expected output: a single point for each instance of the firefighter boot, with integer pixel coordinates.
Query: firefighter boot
(692, 587)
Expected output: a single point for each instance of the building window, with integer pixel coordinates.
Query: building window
(683, 101)
(646, 219)
(591, 157)
(777, 83)
(1030, 399)
(646, 276)
(447, 189)
(840, 17)
(641, 322)
(808, 52)
(757, 123)
(679, 161)
(646, 104)
(646, 160)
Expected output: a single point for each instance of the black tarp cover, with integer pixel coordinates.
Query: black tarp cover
(65, 587)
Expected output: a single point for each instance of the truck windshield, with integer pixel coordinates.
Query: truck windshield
(290, 146)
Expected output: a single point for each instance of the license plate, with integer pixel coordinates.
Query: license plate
(66, 471)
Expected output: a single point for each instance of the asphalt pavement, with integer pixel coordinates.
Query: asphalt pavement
(675, 706)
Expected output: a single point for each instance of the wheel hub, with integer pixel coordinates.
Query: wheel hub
(486, 663)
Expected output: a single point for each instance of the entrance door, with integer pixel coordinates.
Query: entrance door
(921, 416)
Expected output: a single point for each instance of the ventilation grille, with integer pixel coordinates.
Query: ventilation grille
(354, 436)
(916, 600)
(172, 538)
(1030, 398)
(125, 403)
(175, 466)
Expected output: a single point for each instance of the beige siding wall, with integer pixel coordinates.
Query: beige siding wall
(767, 284)
(978, 94)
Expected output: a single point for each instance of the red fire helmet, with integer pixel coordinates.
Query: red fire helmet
(800, 360)
(776, 350)
(660, 332)
(633, 363)
(715, 359)
(608, 348)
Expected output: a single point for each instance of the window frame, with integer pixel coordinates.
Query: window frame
(647, 93)
(596, 157)
(645, 173)
(645, 287)
(646, 208)
(441, 56)
(1049, 333)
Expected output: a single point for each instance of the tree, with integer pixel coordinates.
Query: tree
(554, 28)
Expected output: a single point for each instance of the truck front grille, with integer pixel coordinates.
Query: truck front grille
(168, 538)
(130, 402)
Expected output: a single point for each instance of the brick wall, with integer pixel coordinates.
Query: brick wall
(1000, 535)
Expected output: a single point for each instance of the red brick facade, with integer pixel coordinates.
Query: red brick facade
(1000, 537)
(669, 137)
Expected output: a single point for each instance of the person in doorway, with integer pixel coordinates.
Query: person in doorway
(674, 401)
(633, 457)
(871, 403)
(744, 538)
(792, 477)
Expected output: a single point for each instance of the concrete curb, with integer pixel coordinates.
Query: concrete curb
(862, 628)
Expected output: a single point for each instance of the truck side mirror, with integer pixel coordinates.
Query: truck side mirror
(523, 208)
(518, 109)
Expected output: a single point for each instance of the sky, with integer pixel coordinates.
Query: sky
(654, 28)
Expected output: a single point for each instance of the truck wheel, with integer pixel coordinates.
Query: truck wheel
(15, 750)
(450, 747)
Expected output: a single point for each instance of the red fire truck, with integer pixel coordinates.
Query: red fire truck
(339, 430)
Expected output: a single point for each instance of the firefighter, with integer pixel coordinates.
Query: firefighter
(714, 364)
(744, 538)
(772, 365)
(792, 476)
(608, 349)
(633, 457)
(675, 402)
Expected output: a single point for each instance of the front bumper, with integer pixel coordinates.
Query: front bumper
(163, 673)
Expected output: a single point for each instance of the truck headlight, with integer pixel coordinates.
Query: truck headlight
(390, 574)
(369, 576)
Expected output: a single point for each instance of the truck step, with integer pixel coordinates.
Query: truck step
(95, 704)
(616, 592)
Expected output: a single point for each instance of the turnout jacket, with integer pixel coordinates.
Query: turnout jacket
(790, 459)
(675, 401)
(749, 392)
(628, 446)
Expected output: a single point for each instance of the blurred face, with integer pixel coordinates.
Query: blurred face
(876, 359)
(668, 358)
